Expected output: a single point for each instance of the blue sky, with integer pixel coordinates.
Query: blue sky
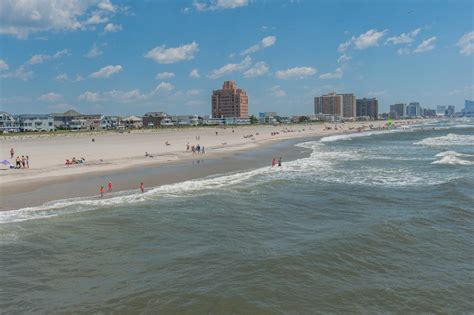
(130, 57)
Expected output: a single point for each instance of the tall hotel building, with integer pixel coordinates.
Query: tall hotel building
(368, 107)
(343, 105)
(230, 101)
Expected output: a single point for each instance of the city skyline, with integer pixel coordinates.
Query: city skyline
(121, 57)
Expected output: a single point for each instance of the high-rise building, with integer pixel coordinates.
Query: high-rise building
(398, 110)
(230, 101)
(368, 107)
(413, 109)
(348, 105)
(440, 110)
(468, 106)
(451, 110)
(329, 104)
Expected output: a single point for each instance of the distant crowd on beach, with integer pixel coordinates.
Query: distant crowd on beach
(20, 162)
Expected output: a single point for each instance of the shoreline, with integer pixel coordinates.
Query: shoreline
(81, 181)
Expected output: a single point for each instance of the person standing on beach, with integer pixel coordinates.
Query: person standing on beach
(110, 185)
(27, 161)
(12, 153)
(101, 190)
(23, 161)
(142, 187)
(202, 150)
(273, 162)
(279, 162)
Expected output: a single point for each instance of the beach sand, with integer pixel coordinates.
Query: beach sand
(112, 153)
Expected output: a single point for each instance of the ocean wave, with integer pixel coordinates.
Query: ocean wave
(350, 136)
(451, 139)
(451, 153)
(452, 160)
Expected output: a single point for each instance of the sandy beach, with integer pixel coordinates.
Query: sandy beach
(106, 153)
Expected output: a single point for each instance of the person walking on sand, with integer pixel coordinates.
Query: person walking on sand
(142, 187)
(101, 190)
(279, 162)
(273, 162)
(110, 185)
(23, 161)
(12, 153)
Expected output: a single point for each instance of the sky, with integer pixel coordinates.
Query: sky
(131, 57)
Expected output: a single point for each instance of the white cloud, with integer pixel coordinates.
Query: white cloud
(21, 73)
(264, 43)
(467, 91)
(3, 65)
(112, 28)
(89, 96)
(164, 75)
(21, 18)
(193, 92)
(295, 73)
(230, 67)
(259, 69)
(94, 52)
(107, 71)
(65, 78)
(403, 38)
(62, 77)
(212, 5)
(194, 74)
(363, 41)
(277, 91)
(466, 43)
(403, 51)
(164, 86)
(344, 58)
(37, 59)
(426, 45)
(50, 97)
(164, 55)
(337, 74)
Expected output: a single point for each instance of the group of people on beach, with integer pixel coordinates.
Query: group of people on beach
(198, 149)
(74, 161)
(20, 162)
(110, 186)
(274, 162)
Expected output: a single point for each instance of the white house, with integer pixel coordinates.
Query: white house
(8, 123)
(37, 122)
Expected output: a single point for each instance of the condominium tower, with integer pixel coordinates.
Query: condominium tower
(343, 105)
(230, 101)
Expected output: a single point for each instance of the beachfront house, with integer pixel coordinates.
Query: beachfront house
(74, 120)
(153, 119)
(267, 118)
(38, 122)
(110, 122)
(185, 120)
(132, 122)
(8, 123)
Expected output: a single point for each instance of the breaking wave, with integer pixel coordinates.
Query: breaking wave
(451, 139)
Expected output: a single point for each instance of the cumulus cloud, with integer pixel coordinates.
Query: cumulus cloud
(164, 75)
(37, 59)
(466, 44)
(277, 91)
(3, 65)
(344, 58)
(164, 55)
(21, 73)
(112, 28)
(194, 73)
(193, 92)
(65, 78)
(89, 96)
(264, 43)
(50, 97)
(426, 45)
(21, 18)
(212, 5)
(94, 52)
(259, 69)
(106, 71)
(295, 73)
(230, 67)
(368, 39)
(164, 87)
(337, 74)
(403, 38)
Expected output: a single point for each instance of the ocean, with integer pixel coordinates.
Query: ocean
(372, 222)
